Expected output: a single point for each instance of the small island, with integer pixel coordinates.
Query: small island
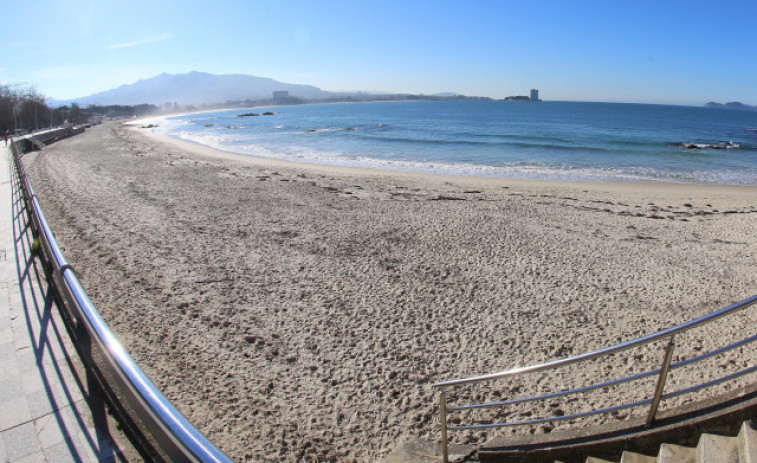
(732, 105)
(534, 97)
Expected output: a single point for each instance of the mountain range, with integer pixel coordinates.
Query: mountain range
(201, 88)
(196, 88)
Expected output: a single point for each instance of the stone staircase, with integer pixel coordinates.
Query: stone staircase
(710, 449)
(700, 430)
(36, 142)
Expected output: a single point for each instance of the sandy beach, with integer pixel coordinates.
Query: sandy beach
(301, 312)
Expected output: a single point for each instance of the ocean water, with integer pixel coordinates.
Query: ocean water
(545, 140)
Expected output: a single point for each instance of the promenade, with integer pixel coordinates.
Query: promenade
(49, 409)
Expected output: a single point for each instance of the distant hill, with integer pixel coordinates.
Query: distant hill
(732, 105)
(196, 88)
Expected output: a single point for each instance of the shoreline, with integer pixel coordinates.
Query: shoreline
(646, 188)
(321, 304)
(654, 162)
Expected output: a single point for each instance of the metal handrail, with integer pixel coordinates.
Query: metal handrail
(654, 401)
(613, 408)
(173, 435)
(606, 350)
(613, 382)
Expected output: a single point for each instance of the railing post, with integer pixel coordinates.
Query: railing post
(443, 417)
(661, 380)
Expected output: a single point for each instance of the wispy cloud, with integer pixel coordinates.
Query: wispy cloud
(137, 43)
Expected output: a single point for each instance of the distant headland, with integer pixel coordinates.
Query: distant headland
(732, 105)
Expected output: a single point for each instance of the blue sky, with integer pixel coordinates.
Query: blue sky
(679, 52)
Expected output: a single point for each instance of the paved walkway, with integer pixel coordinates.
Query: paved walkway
(47, 413)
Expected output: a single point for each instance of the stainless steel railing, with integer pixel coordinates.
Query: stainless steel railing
(653, 402)
(168, 431)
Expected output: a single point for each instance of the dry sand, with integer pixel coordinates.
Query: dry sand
(303, 312)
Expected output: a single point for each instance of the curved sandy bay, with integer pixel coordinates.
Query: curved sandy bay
(299, 311)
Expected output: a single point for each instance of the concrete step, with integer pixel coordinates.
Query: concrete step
(633, 457)
(747, 442)
(711, 448)
(717, 449)
(671, 453)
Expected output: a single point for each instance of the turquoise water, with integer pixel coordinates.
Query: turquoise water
(546, 140)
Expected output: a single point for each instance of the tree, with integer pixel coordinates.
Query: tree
(60, 114)
(32, 112)
(75, 113)
(23, 108)
(6, 109)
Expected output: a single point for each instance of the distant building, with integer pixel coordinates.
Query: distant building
(534, 95)
(280, 95)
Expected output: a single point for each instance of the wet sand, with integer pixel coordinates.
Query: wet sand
(303, 312)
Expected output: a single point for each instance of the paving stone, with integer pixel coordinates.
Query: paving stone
(25, 357)
(21, 441)
(7, 351)
(64, 452)
(10, 388)
(37, 457)
(23, 341)
(97, 450)
(28, 358)
(49, 429)
(81, 411)
(14, 413)
(32, 381)
(9, 368)
(46, 401)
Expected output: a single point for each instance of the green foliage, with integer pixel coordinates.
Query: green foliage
(36, 247)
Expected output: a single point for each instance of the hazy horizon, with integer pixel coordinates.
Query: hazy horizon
(583, 51)
(381, 92)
